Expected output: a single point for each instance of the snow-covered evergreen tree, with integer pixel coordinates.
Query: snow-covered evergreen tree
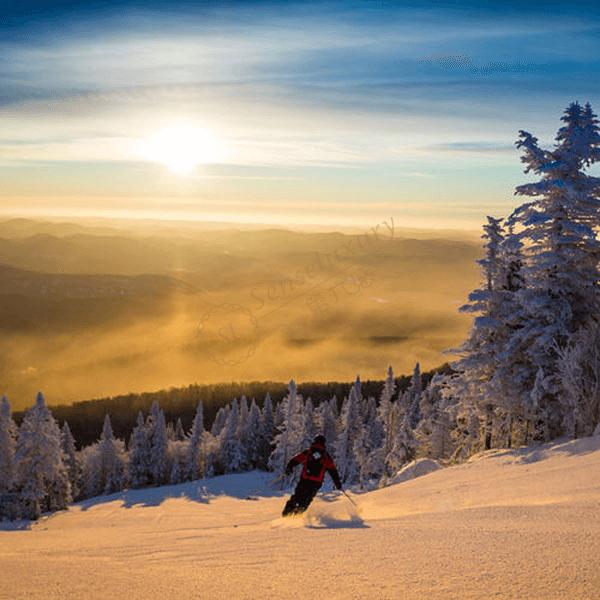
(558, 226)
(351, 426)
(195, 468)
(170, 431)
(231, 448)
(412, 397)
(252, 437)
(309, 426)
(8, 433)
(139, 455)
(178, 459)
(385, 399)
(402, 442)
(288, 440)
(41, 478)
(363, 457)
(579, 376)
(367, 446)
(243, 433)
(279, 415)
(71, 460)
(210, 452)
(179, 431)
(480, 354)
(467, 433)
(434, 433)
(157, 437)
(110, 465)
(327, 421)
(265, 435)
(333, 402)
(537, 410)
(220, 420)
(176, 472)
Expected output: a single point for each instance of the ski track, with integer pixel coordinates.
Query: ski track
(523, 524)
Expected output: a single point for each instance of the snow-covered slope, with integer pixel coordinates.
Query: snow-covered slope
(415, 468)
(511, 524)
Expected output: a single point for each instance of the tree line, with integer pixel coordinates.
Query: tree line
(41, 469)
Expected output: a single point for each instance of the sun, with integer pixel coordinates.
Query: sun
(181, 148)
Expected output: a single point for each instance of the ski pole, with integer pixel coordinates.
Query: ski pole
(345, 494)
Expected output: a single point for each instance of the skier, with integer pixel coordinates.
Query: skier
(316, 461)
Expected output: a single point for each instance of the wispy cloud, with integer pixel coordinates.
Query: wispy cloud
(347, 100)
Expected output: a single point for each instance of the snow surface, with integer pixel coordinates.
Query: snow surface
(508, 524)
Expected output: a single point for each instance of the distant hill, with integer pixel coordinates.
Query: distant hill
(23, 228)
(29, 283)
(56, 302)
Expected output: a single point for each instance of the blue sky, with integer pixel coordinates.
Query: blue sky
(307, 112)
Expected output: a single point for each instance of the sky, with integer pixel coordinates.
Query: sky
(280, 112)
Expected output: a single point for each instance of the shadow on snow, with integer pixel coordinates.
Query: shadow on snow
(244, 486)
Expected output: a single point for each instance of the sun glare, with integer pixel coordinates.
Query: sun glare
(181, 148)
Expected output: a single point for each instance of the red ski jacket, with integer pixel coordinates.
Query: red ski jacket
(317, 462)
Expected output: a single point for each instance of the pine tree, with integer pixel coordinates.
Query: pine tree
(433, 434)
(41, 478)
(363, 457)
(179, 431)
(279, 415)
(288, 440)
(310, 430)
(175, 476)
(333, 402)
(402, 442)
(71, 460)
(384, 427)
(156, 430)
(111, 462)
(483, 374)
(194, 462)
(178, 456)
(350, 429)
(220, 420)
(8, 433)
(385, 400)
(508, 406)
(253, 434)
(440, 439)
(467, 433)
(139, 455)
(327, 421)
(367, 446)
(265, 436)
(231, 447)
(413, 397)
(537, 413)
(579, 374)
(211, 454)
(558, 226)
(243, 433)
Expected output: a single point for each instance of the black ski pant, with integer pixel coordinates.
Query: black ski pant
(303, 495)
